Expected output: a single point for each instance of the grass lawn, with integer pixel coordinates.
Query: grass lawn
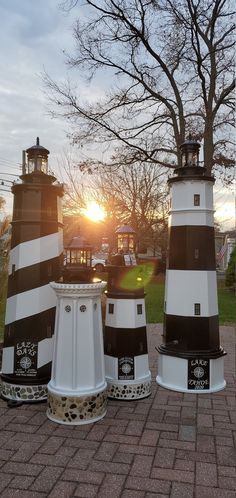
(155, 302)
(227, 305)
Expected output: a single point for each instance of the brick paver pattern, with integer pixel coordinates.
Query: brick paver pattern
(170, 444)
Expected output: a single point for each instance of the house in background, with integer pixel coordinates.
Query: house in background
(224, 245)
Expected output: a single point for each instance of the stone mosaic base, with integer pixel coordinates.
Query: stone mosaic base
(76, 410)
(24, 393)
(128, 391)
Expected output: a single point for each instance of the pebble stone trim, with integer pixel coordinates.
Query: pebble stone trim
(76, 410)
(126, 391)
(23, 393)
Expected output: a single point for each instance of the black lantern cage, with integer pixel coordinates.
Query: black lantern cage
(79, 253)
(125, 240)
(78, 261)
(37, 158)
(190, 153)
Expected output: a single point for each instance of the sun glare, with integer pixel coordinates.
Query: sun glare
(94, 212)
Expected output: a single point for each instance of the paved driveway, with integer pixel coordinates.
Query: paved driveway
(170, 444)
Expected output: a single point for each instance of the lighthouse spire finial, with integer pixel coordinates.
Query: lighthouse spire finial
(37, 141)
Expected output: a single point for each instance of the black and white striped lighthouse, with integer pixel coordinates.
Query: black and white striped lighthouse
(191, 359)
(125, 342)
(35, 260)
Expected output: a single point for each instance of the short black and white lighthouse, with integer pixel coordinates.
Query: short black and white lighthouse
(35, 259)
(125, 342)
(191, 359)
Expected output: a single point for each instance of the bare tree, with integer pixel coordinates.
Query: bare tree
(4, 225)
(2, 203)
(4, 252)
(170, 64)
(77, 188)
(134, 196)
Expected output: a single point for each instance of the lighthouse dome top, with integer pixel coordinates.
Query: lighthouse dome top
(79, 242)
(37, 148)
(125, 229)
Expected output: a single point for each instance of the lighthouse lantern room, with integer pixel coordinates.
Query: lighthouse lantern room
(37, 158)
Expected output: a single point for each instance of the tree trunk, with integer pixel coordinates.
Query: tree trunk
(208, 147)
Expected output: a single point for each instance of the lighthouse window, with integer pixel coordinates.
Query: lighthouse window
(13, 268)
(197, 309)
(139, 309)
(111, 308)
(196, 199)
(196, 253)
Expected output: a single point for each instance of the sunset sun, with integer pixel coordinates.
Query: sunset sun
(94, 212)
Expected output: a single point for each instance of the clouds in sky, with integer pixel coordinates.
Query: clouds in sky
(32, 37)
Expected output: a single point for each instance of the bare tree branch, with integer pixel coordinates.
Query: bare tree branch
(171, 69)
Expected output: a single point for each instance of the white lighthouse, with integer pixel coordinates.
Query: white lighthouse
(77, 389)
(191, 358)
(35, 260)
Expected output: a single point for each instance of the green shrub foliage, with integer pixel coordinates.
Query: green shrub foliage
(230, 272)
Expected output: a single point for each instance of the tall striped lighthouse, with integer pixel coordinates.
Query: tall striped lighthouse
(191, 358)
(35, 260)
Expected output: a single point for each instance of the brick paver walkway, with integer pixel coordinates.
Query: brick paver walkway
(170, 444)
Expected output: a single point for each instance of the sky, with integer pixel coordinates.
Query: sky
(33, 36)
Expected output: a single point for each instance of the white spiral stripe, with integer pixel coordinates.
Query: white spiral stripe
(36, 251)
(29, 303)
